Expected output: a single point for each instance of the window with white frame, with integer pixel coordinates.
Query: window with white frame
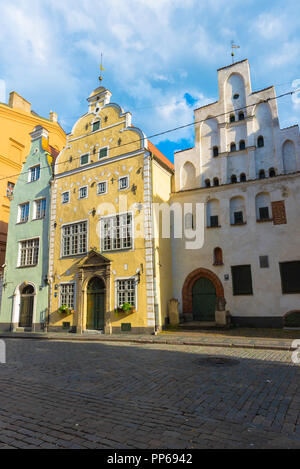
(126, 292)
(103, 152)
(124, 183)
(84, 159)
(102, 187)
(67, 295)
(29, 252)
(116, 232)
(96, 125)
(40, 209)
(10, 189)
(34, 173)
(83, 192)
(65, 197)
(74, 239)
(23, 213)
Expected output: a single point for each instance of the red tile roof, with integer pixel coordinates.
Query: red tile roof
(160, 156)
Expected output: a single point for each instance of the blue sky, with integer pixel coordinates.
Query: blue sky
(160, 56)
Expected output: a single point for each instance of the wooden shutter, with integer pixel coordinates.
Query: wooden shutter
(278, 211)
(290, 276)
(241, 280)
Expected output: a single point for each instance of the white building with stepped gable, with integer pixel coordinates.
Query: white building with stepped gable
(245, 169)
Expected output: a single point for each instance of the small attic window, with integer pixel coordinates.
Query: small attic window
(96, 126)
(236, 96)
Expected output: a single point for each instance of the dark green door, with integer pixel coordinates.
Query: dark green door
(204, 300)
(26, 306)
(95, 304)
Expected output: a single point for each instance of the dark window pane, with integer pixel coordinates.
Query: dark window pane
(214, 220)
(103, 153)
(238, 217)
(241, 280)
(264, 213)
(84, 159)
(290, 276)
(96, 126)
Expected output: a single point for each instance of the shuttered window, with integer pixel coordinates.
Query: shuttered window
(214, 221)
(290, 276)
(241, 280)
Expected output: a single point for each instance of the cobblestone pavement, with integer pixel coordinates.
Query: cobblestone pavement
(116, 395)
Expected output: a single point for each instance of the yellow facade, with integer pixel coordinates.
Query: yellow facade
(139, 260)
(16, 122)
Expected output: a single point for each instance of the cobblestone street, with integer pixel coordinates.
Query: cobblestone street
(104, 395)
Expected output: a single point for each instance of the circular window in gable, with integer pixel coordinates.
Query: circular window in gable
(236, 96)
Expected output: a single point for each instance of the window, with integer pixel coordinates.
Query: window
(96, 126)
(116, 232)
(262, 174)
(84, 159)
(263, 206)
(237, 211)
(102, 187)
(103, 152)
(23, 212)
(123, 183)
(216, 181)
(238, 218)
(232, 118)
(67, 295)
(278, 212)
(65, 197)
(218, 256)
(260, 141)
(74, 239)
(207, 182)
(241, 116)
(290, 276)
(40, 209)
(241, 280)
(272, 172)
(242, 145)
(10, 189)
(232, 147)
(215, 151)
(264, 213)
(236, 96)
(29, 252)
(212, 213)
(233, 179)
(83, 192)
(34, 173)
(126, 292)
(243, 177)
(263, 262)
(214, 221)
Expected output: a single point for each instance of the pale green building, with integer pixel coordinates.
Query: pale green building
(24, 303)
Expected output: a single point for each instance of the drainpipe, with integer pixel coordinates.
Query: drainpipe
(156, 304)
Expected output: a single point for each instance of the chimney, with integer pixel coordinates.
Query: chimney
(53, 116)
(39, 132)
(17, 102)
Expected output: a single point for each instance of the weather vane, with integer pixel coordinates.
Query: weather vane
(233, 46)
(101, 70)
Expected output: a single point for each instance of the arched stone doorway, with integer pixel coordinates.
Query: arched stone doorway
(26, 306)
(202, 295)
(95, 314)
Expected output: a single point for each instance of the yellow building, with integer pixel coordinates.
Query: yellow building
(106, 270)
(17, 120)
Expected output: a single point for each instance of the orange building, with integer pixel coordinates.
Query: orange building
(17, 120)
